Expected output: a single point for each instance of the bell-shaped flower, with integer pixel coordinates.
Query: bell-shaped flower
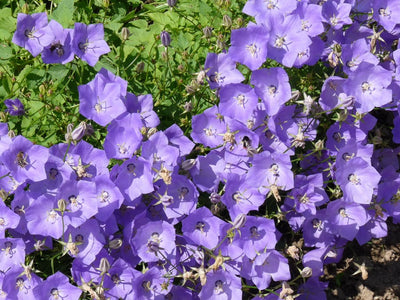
(57, 286)
(60, 49)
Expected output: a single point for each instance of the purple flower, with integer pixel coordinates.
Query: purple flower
(44, 218)
(101, 101)
(12, 254)
(257, 235)
(17, 285)
(368, 84)
(249, 46)
(272, 86)
(208, 128)
(311, 18)
(355, 53)
(238, 101)
(25, 160)
(165, 38)
(123, 137)
(151, 285)
(55, 287)
(261, 9)
(336, 13)
(221, 70)
(346, 218)
(32, 33)
(59, 51)
(14, 107)
(386, 13)
(8, 219)
(357, 178)
(134, 178)
(88, 42)
(202, 228)
(221, 285)
(333, 94)
(284, 40)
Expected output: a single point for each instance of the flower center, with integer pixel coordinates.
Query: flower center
(200, 226)
(241, 100)
(280, 41)
(115, 278)
(98, 107)
(105, 196)
(131, 168)
(342, 212)
(272, 89)
(317, 224)
(253, 49)
(354, 179)
(219, 287)
(53, 173)
(254, 232)
(79, 238)
(367, 87)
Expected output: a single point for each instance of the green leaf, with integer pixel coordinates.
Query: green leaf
(64, 13)
(5, 51)
(58, 71)
(8, 24)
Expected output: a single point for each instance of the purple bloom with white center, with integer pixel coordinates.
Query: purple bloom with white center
(368, 84)
(119, 283)
(221, 285)
(60, 49)
(154, 240)
(109, 197)
(12, 254)
(123, 137)
(267, 266)
(352, 150)
(177, 139)
(85, 241)
(100, 101)
(249, 45)
(271, 169)
(17, 285)
(357, 178)
(88, 42)
(202, 228)
(158, 151)
(221, 70)
(134, 178)
(208, 128)
(316, 230)
(339, 134)
(179, 198)
(336, 13)
(333, 94)
(355, 53)
(81, 202)
(311, 18)
(257, 235)
(241, 197)
(387, 13)
(238, 101)
(151, 285)
(272, 86)
(25, 160)
(142, 105)
(14, 107)
(346, 218)
(284, 42)
(8, 219)
(43, 217)
(56, 287)
(304, 200)
(32, 32)
(261, 9)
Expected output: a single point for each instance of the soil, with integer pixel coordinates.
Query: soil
(367, 272)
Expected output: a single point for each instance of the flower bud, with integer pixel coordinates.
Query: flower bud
(125, 33)
(188, 106)
(207, 31)
(62, 204)
(215, 197)
(306, 272)
(171, 3)
(140, 67)
(239, 222)
(221, 44)
(115, 244)
(165, 38)
(226, 21)
(106, 3)
(3, 117)
(188, 164)
(25, 9)
(319, 145)
(79, 132)
(104, 265)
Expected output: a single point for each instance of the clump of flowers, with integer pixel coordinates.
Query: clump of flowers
(164, 219)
